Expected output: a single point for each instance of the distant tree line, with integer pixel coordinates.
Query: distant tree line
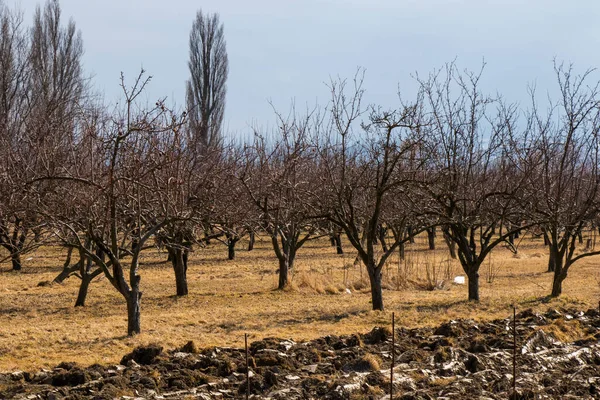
(107, 183)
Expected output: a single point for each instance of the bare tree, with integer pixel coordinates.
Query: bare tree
(366, 177)
(41, 87)
(232, 213)
(474, 192)
(117, 205)
(14, 76)
(276, 173)
(206, 88)
(561, 151)
(188, 185)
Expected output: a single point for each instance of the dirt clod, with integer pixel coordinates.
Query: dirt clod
(457, 360)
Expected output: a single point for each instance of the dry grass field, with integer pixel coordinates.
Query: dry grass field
(39, 327)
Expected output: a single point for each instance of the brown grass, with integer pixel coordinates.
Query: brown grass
(565, 331)
(39, 327)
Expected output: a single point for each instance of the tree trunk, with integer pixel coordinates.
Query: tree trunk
(376, 290)
(16, 261)
(83, 290)
(338, 244)
(431, 238)
(473, 277)
(382, 232)
(332, 240)
(451, 245)
(559, 275)
(556, 286)
(283, 274)
(179, 262)
(401, 251)
(67, 271)
(551, 262)
(251, 242)
(411, 238)
(231, 248)
(133, 313)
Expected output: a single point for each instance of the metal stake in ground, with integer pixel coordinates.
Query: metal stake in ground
(514, 382)
(247, 366)
(393, 356)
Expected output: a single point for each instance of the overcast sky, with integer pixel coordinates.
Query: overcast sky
(284, 49)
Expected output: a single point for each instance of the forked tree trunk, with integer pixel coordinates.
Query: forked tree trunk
(376, 289)
(68, 269)
(511, 239)
(85, 269)
(285, 250)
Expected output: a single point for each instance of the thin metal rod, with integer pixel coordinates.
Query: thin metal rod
(514, 382)
(247, 367)
(393, 355)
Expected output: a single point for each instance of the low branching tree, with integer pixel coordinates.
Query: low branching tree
(41, 87)
(365, 177)
(276, 173)
(115, 201)
(471, 188)
(561, 151)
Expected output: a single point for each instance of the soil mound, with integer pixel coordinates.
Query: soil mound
(558, 357)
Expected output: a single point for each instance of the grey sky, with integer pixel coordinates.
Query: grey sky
(281, 50)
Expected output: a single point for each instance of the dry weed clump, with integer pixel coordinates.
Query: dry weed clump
(363, 284)
(310, 282)
(441, 382)
(566, 331)
(367, 363)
